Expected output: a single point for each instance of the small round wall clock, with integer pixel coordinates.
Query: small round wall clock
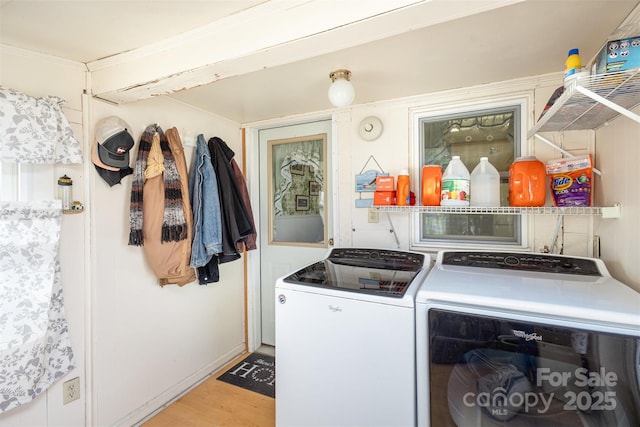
(370, 128)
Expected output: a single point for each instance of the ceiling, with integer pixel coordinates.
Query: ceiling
(394, 48)
(88, 30)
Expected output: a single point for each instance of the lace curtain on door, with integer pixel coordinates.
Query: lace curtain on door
(306, 153)
(35, 348)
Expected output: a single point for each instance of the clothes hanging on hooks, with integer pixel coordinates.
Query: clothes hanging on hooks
(223, 219)
(207, 221)
(237, 222)
(250, 243)
(160, 213)
(205, 204)
(189, 221)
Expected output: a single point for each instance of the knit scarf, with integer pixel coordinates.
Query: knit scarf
(174, 227)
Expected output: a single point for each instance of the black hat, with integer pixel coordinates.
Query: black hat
(113, 177)
(114, 140)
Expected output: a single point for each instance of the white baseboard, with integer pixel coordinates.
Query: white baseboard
(167, 397)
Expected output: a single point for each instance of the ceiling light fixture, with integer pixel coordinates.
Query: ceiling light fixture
(341, 91)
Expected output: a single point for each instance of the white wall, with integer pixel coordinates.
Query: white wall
(393, 151)
(140, 345)
(137, 345)
(152, 342)
(618, 151)
(40, 76)
(614, 147)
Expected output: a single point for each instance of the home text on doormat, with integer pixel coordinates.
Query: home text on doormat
(257, 372)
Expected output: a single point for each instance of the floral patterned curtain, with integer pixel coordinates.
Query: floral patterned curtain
(35, 348)
(35, 130)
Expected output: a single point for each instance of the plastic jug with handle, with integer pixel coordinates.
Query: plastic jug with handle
(485, 184)
(527, 182)
(454, 190)
(430, 185)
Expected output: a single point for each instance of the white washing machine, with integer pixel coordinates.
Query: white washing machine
(345, 340)
(526, 339)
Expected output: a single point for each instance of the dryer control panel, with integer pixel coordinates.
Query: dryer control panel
(541, 263)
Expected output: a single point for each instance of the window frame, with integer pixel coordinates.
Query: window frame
(17, 182)
(27, 181)
(455, 106)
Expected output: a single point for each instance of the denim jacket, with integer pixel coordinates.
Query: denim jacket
(205, 202)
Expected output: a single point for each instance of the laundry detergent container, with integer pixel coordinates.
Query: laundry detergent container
(527, 182)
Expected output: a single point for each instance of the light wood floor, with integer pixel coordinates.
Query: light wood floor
(216, 403)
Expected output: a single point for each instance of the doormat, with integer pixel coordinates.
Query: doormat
(257, 372)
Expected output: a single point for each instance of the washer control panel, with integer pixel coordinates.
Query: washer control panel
(534, 262)
(378, 258)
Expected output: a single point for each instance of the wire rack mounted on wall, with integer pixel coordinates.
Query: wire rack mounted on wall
(605, 212)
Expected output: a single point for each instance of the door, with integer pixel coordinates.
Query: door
(296, 224)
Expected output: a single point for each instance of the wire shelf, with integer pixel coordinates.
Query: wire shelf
(608, 212)
(577, 110)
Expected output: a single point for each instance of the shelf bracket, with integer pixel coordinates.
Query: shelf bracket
(393, 231)
(556, 234)
(611, 211)
(563, 151)
(633, 116)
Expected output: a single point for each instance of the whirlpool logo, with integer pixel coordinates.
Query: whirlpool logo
(526, 336)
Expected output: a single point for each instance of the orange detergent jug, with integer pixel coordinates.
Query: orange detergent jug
(527, 182)
(430, 188)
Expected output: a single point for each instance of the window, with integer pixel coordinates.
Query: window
(24, 181)
(485, 130)
(14, 176)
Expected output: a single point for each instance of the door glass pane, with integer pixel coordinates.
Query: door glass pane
(296, 191)
(488, 133)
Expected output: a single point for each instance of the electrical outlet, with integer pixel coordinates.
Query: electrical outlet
(71, 390)
(374, 216)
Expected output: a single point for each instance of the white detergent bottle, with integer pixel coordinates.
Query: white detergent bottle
(485, 184)
(454, 190)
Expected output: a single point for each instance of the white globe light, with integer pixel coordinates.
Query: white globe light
(341, 91)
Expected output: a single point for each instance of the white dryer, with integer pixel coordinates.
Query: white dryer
(345, 340)
(526, 339)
